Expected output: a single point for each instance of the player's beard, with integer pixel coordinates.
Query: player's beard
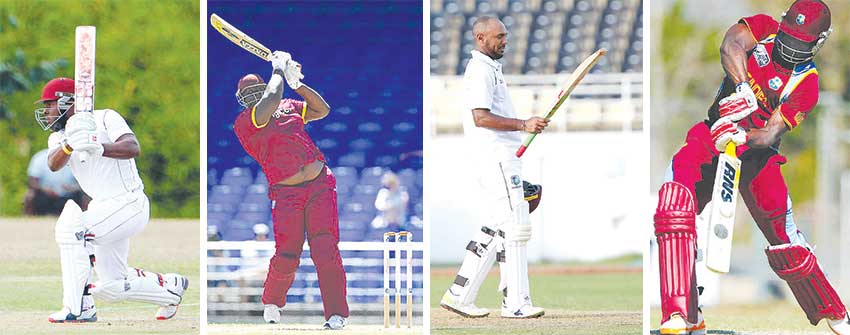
(497, 52)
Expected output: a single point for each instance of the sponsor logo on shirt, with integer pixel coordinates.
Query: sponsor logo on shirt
(762, 58)
(775, 83)
(280, 112)
(515, 181)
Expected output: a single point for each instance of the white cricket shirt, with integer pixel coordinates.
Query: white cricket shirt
(103, 177)
(484, 87)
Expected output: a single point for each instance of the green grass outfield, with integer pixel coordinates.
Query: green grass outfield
(304, 329)
(777, 318)
(30, 278)
(579, 299)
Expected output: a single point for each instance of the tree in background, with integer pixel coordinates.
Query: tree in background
(147, 69)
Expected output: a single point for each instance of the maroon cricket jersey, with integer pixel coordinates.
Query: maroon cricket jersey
(281, 146)
(793, 94)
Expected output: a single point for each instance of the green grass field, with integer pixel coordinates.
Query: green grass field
(30, 276)
(774, 318)
(303, 329)
(578, 300)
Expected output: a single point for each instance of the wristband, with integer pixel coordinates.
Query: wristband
(66, 148)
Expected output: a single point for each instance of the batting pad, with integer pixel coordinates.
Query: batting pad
(481, 252)
(515, 275)
(140, 285)
(798, 266)
(76, 266)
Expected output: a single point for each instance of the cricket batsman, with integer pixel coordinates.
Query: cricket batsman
(301, 186)
(493, 133)
(770, 87)
(99, 238)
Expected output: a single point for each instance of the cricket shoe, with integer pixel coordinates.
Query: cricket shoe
(64, 315)
(699, 327)
(449, 303)
(676, 325)
(841, 327)
(177, 285)
(271, 313)
(335, 322)
(527, 311)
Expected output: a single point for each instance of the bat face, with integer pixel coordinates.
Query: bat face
(722, 220)
(241, 39)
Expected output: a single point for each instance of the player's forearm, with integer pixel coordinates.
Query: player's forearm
(769, 135)
(733, 52)
(58, 158)
(483, 118)
(271, 98)
(126, 147)
(316, 105)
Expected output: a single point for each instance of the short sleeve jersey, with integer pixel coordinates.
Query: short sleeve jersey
(792, 93)
(281, 146)
(484, 87)
(103, 177)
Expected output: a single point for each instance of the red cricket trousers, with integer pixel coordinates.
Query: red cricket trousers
(761, 186)
(308, 209)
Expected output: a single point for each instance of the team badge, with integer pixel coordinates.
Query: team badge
(775, 83)
(515, 181)
(761, 56)
(801, 19)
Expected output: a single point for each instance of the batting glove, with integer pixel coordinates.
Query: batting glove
(279, 60)
(93, 149)
(80, 122)
(740, 104)
(723, 131)
(293, 75)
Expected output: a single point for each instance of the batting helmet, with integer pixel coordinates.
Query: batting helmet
(803, 30)
(250, 89)
(60, 90)
(532, 194)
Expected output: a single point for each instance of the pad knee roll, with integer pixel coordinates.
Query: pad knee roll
(675, 230)
(798, 266)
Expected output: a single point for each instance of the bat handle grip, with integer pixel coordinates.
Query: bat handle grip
(731, 149)
(521, 150)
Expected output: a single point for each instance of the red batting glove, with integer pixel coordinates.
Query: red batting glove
(723, 131)
(740, 104)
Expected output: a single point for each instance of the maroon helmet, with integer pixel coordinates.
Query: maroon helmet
(250, 89)
(60, 90)
(532, 194)
(803, 30)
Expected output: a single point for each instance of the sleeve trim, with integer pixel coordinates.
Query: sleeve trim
(787, 123)
(254, 118)
(304, 112)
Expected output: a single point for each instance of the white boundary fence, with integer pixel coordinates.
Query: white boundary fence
(236, 271)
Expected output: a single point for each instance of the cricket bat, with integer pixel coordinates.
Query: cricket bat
(566, 89)
(84, 54)
(724, 196)
(241, 39)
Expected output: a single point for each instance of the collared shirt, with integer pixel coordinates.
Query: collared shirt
(484, 87)
(103, 177)
(281, 145)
